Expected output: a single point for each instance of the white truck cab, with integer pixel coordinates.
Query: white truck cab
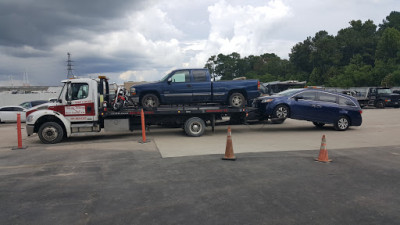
(76, 110)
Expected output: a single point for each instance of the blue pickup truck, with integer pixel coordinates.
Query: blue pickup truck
(188, 86)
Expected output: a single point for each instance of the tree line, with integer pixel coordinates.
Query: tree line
(362, 54)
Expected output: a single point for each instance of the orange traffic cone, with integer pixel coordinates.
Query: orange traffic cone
(323, 152)
(229, 148)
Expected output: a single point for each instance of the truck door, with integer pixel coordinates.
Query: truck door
(179, 88)
(201, 86)
(80, 103)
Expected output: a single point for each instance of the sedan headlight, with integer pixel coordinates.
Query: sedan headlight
(267, 100)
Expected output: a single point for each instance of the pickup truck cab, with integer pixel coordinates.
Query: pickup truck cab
(188, 86)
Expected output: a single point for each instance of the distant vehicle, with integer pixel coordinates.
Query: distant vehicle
(380, 97)
(315, 105)
(190, 86)
(275, 87)
(9, 113)
(31, 104)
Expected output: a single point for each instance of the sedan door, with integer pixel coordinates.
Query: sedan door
(328, 108)
(303, 105)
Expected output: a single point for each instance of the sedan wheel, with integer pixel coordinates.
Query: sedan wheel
(281, 112)
(342, 124)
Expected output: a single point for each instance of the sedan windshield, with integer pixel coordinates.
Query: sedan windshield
(288, 92)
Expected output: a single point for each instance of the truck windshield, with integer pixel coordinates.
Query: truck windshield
(62, 90)
(165, 77)
(384, 91)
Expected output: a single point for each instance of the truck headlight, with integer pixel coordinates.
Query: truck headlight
(133, 91)
(267, 100)
(29, 118)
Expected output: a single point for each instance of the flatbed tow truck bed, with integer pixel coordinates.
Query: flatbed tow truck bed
(176, 116)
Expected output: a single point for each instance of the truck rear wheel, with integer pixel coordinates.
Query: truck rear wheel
(380, 104)
(237, 100)
(150, 101)
(195, 127)
(51, 133)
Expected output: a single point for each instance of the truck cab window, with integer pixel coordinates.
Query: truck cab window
(181, 76)
(199, 76)
(79, 91)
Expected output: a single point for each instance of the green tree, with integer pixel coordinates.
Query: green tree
(360, 38)
(392, 21)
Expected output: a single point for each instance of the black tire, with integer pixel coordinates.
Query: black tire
(281, 112)
(150, 101)
(51, 133)
(194, 127)
(342, 123)
(380, 104)
(237, 100)
(319, 125)
(277, 121)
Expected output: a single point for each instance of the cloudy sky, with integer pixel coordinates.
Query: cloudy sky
(135, 40)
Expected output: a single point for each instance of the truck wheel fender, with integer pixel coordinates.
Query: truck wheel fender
(41, 113)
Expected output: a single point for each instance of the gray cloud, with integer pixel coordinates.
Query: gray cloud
(142, 40)
(44, 23)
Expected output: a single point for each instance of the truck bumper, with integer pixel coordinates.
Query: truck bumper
(30, 129)
(135, 99)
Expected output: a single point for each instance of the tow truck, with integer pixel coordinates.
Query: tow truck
(85, 106)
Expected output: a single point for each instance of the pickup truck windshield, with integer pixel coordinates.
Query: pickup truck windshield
(165, 77)
(384, 91)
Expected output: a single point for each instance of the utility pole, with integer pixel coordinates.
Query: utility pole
(69, 67)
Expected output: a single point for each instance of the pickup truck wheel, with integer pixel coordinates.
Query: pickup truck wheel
(380, 104)
(150, 101)
(342, 123)
(319, 125)
(237, 100)
(194, 127)
(281, 112)
(51, 133)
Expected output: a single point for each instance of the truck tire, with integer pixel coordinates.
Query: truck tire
(51, 133)
(237, 100)
(342, 123)
(281, 112)
(150, 101)
(194, 127)
(380, 104)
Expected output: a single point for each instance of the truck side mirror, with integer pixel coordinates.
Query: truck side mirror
(169, 80)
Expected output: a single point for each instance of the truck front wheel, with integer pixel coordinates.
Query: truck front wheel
(237, 100)
(195, 127)
(150, 101)
(51, 133)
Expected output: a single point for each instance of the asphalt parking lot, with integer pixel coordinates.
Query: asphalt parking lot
(174, 179)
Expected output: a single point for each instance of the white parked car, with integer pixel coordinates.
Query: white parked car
(9, 113)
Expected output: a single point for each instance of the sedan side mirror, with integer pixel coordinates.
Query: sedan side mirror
(296, 98)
